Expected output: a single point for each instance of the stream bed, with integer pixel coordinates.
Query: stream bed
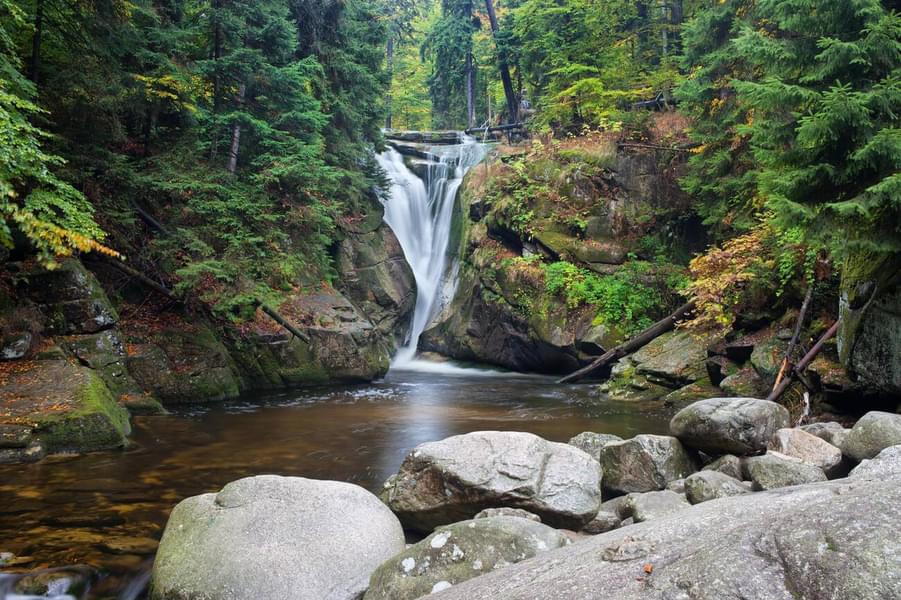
(108, 510)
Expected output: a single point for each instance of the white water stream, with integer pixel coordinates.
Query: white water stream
(421, 213)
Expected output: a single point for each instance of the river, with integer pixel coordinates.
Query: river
(108, 509)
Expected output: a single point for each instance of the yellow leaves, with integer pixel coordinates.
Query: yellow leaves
(54, 241)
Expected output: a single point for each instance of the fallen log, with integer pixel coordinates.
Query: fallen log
(642, 339)
(284, 322)
(798, 369)
(414, 152)
(790, 350)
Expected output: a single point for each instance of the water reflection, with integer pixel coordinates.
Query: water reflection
(107, 510)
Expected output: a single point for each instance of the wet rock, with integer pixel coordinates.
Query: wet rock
(129, 545)
(453, 479)
(773, 470)
(728, 464)
(592, 443)
(458, 552)
(831, 432)
(710, 485)
(655, 505)
(807, 448)
(835, 539)
(886, 465)
(272, 538)
(507, 512)
(15, 346)
(644, 463)
(62, 582)
(33, 452)
(729, 425)
(874, 432)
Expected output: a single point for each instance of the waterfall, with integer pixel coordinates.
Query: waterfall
(421, 213)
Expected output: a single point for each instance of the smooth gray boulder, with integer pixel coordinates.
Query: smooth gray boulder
(874, 432)
(710, 485)
(458, 552)
(602, 522)
(645, 463)
(728, 464)
(807, 448)
(837, 540)
(739, 426)
(885, 465)
(591, 442)
(272, 538)
(655, 505)
(453, 479)
(830, 431)
(774, 470)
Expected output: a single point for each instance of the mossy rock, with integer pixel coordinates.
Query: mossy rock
(69, 407)
(70, 297)
(745, 383)
(699, 390)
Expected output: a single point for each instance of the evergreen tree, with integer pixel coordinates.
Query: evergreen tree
(449, 47)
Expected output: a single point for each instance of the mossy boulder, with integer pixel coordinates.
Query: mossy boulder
(70, 297)
(68, 407)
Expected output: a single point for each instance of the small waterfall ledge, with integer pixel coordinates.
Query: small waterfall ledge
(420, 212)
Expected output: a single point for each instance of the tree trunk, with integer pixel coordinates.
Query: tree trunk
(799, 324)
(35, 65)
(802, 364)
(642, 339)
(677, 16)
(389, 63)
(216, 54)
(470, 93)
(236, 134)
(512, 106)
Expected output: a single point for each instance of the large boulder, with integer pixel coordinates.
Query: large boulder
(807, 448)
(773, 470)
(455, 478)
(644, 463)
(835, 540)
(710, 485)
(729, 425)
(830, 431)
(70, 297)
(458, 552)
(874, 432)
(272, 538)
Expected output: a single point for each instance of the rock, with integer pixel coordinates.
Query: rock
(807, 448)
(449, 480)
(677, 486)
(831, 432)
(142, 546)
(507, 512)
(6, 558)
(719, 368)
(767, 356)
(869, 340)
(71, 298)
(591, 442)
(886, 465)
(699, 390)
(272, 538)
(644, 463)
(745, 383)
(654, 505)
(68, 407)
(62, 584)
(832, 540)
(458, 552)
(729, 425)
(710, 485)
(15, 346)
(15, 436)
(674, 359)
(602, 522)
(728, 464)
(773, 470)
(874, 432)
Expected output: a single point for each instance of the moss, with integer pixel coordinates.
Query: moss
(98, 422)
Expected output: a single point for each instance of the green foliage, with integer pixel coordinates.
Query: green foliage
(446, 46)
(624, 298)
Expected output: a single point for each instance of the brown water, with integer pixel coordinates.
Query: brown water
(108, 509)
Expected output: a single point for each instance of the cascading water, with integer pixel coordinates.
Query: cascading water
(421, 213)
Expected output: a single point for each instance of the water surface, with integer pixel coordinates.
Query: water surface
(108, 509)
